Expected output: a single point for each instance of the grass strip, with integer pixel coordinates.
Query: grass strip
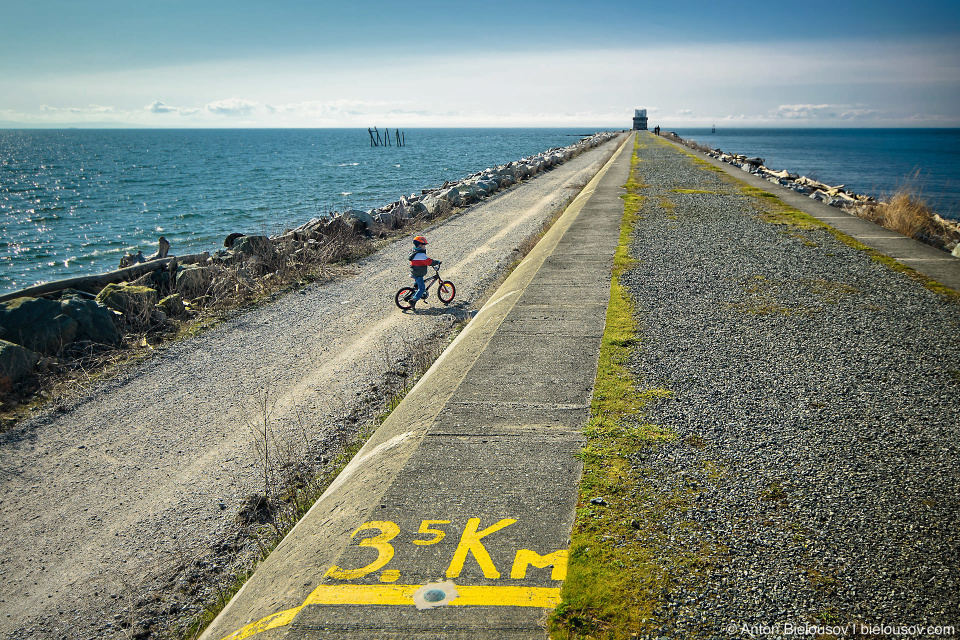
(776, 211)
(614, 580)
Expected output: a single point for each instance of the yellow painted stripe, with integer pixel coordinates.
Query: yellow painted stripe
(363, 594)
(402, 594)
(544, 597)
(272, 621)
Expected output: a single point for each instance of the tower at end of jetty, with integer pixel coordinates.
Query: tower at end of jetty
(640, 120)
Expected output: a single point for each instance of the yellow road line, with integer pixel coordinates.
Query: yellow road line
(402, 594)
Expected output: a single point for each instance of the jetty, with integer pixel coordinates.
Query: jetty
(455, 519)
(792, 416)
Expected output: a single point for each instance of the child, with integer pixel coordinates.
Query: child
(418, 269)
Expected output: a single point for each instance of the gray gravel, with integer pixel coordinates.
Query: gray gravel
(814, 396)
(118, 511)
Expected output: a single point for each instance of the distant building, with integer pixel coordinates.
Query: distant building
(640, 120)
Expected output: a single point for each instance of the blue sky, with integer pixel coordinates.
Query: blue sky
(212, 63)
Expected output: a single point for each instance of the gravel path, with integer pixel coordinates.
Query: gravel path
(814, 395)
(118, 513)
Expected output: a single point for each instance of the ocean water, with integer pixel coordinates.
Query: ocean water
(72, 202)
(869, 161)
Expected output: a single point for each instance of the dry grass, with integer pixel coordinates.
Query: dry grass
(907, 212)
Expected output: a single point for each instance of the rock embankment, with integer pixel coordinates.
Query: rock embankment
(42, 325)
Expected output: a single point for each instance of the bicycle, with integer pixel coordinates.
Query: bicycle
(445, 292)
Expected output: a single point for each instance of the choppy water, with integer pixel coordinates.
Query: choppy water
(73, 201)
(869, 161)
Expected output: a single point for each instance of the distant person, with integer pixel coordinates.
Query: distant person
(418, 269)
(656, 129)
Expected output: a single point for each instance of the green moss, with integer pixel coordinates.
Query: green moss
(707, 191)
(776, 211)
(622, 559)
(667, 204)
(761, 299)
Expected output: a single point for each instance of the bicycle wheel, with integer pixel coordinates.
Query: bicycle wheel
(446, 291)
(403, 297)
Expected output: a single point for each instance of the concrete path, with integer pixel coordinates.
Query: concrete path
(466, 495)
(930, 261)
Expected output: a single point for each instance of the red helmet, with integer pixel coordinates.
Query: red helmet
(420, 240)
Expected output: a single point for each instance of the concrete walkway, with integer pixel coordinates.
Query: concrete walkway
(466, 495)
(930, 261)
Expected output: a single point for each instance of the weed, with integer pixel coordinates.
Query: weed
(774, 493)
(829, 615)
(667, 204)
(823, 583)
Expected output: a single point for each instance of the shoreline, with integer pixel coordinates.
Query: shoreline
(872, 161)
(197, 187)
(41, 326)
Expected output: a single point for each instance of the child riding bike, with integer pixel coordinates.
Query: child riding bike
(418, 269)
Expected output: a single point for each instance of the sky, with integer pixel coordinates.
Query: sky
(362, 63)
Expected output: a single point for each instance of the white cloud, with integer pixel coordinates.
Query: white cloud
(824, 112)
(160, 107)
(232, 107)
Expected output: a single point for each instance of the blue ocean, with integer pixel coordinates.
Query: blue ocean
(873, 162)
(73, 201)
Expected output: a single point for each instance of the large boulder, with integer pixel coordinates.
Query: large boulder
(94, 320)
(487, 186)
(358, 218)
(15, 362)
(436, 206)
(255, 246)
(400, 211)
(452, 195)
(470, 192)
(172, 305)
(136, 303)
(387, 218)
(193, 280)
(36, 324)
